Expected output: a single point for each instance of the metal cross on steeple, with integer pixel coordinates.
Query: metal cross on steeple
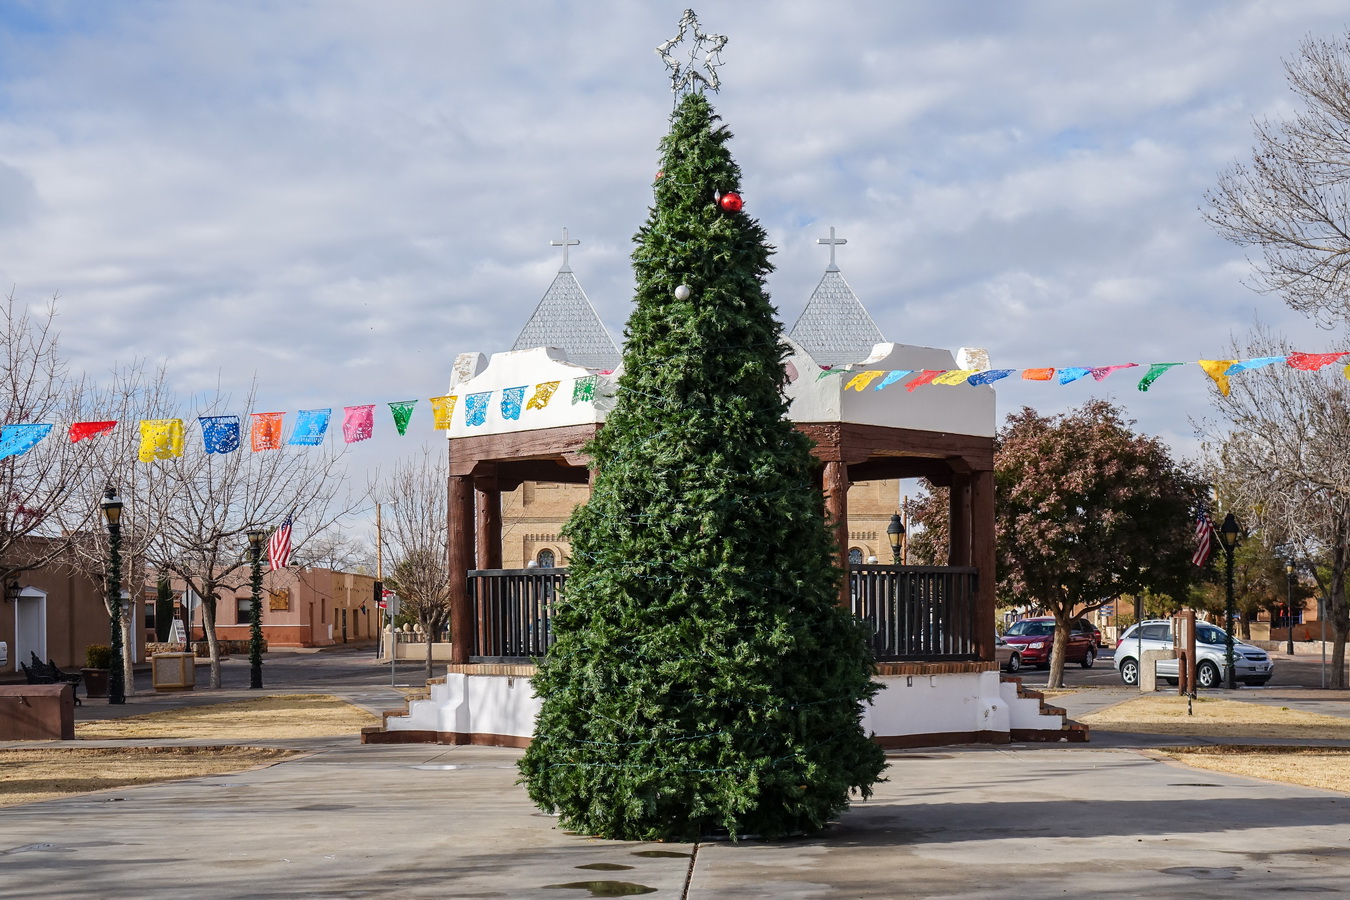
(564, 243)
(833, 242)
(683, 77)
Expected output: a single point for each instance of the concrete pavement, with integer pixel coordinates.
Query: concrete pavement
(348, 820)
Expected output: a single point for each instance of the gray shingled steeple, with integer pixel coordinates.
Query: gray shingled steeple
(566, 319)
(835, 327)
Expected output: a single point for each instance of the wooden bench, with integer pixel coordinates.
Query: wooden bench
(47, 673)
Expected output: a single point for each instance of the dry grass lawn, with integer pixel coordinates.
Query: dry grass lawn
(27, 776)
(44, 774)
(263, 719)
(1327, 768)
(1217, 718)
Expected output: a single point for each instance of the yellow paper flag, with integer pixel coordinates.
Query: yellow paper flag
(955, 376)
(443, 409)
(860, 381)
(161, 439)
(542, 394)
(1215, 368)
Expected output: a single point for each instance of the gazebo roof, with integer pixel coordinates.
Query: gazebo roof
(566, 319)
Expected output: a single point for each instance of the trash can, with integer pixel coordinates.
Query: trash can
(173, 671)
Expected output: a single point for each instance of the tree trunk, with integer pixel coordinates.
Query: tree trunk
(209, 626)
(1058, 648)
(430, 636)
(128, 674)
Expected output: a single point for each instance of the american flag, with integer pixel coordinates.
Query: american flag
(1204, 539)
(279, 546)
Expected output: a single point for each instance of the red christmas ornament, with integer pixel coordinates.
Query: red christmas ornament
(731, 202)
(660, 175)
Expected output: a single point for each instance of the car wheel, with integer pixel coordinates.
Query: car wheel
(1089, 658)
(1129, 671)
(1014, 663)
(1207, 675)
(1172, 681)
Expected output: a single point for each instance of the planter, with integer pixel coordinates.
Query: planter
(173, 671)
(95, 682)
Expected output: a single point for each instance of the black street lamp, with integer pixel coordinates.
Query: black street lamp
(112, 513)
(255, 543)
(895, 533)
(1289, 608)
(1228, 535)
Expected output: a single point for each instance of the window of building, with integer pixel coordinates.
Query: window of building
(546, 559)
(243, 608)
(855, 556)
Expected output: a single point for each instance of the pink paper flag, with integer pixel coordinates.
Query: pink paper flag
(358, 423)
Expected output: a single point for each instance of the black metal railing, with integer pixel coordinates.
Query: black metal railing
(512, 613)
(918, 613)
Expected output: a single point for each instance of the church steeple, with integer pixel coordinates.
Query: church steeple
(566, 319)
(835, 327)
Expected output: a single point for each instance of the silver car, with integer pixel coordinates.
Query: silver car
(1251, 665)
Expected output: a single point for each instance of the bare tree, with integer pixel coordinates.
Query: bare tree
(1281, 456)
(206, 503)
(1292, 201)
(37, 388)
(417, 532)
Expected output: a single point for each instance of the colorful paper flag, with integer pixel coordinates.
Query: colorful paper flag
(955, 376)
(1155, 372)
(161, 439)
(81, 430)
(990, 376)
(583, 390)
(860, 381)
(402, 412)
(1100, 372)
(1217, 369)
(892, 377)
(511, 400)
(542, 394)
(1037, 374)
(475, 408)
(1070, 374)
(924, 377)
(16, 440)
(1311, 362)
(1260, 362)
(443, 410)
(358, 423)
(310, 427)
(220, 434)
(265, 431)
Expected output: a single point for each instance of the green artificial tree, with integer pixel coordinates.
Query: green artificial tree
(704, 678)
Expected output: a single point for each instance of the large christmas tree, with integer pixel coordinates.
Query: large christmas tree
(704, 677)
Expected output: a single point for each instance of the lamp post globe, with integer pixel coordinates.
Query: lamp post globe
(895, 533)
(112, 516)
(1228, 536)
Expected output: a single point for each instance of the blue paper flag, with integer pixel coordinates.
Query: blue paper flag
(892, 377)
(475, 408)
(310, 427)
(16, 440)
(1246, 365)
(220, 434)
(512, 397)
(990, 376)
(1072, 374)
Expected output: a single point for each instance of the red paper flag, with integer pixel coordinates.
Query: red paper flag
(1311, 362)
(924, 377)
(81, 430)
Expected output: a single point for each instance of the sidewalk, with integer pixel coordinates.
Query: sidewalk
(1015, 821)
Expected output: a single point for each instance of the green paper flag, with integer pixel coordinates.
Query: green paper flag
(1155, 372)
(402, 410)
(584, 389)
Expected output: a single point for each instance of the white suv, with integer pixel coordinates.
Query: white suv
(1251, 664)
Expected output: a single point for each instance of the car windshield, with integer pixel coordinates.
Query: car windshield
(1029, 628)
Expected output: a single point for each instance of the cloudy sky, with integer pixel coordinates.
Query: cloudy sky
(337, 197)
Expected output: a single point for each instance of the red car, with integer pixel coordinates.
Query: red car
(1032, 639)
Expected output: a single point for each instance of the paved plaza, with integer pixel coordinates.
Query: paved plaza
(347, 820)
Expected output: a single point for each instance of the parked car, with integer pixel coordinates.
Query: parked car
(4, 654)
(1033, 639)
(1251, 664)
(1087, 627)
(1007, 657)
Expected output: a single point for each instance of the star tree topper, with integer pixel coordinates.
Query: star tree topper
(683, 75)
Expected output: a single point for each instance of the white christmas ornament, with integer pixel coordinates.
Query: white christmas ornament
(682, 292)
